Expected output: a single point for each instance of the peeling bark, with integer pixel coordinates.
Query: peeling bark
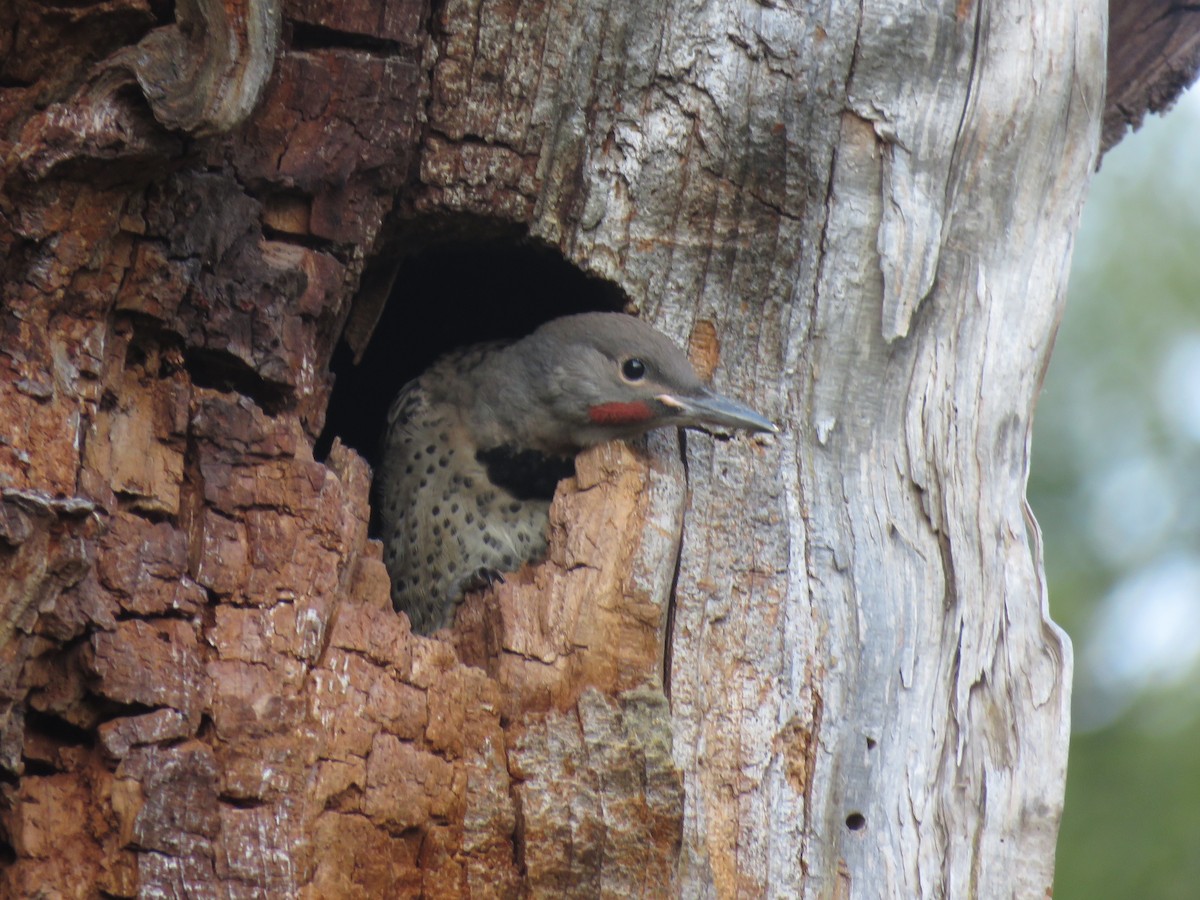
(806, 665)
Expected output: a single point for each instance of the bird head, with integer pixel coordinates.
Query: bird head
(593, 377)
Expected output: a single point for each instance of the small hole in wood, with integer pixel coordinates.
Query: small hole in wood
(856, 821)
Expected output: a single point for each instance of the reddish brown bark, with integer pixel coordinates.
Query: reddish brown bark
(203, 681)
(1153, 54)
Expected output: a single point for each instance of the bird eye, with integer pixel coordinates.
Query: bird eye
(633, 369)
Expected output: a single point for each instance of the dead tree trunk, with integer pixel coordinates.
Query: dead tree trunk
(812, 665)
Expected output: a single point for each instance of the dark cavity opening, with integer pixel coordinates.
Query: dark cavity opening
(856, 821)
(450, 293)
(58, 731)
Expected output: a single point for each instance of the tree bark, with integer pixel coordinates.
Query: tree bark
(816, 664)
(1153, 55)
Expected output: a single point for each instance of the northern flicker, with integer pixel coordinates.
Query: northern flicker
(477, 443)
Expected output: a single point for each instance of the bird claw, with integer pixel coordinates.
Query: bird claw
(489, 577)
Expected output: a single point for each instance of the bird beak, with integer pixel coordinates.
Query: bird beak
(707, 407)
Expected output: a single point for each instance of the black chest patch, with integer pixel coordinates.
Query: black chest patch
(526, 474)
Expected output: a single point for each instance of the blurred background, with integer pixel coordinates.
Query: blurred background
(1115, 484)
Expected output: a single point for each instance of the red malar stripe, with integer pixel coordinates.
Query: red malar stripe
(620, 413)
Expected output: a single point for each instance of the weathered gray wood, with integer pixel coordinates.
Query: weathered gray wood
(874, 205)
